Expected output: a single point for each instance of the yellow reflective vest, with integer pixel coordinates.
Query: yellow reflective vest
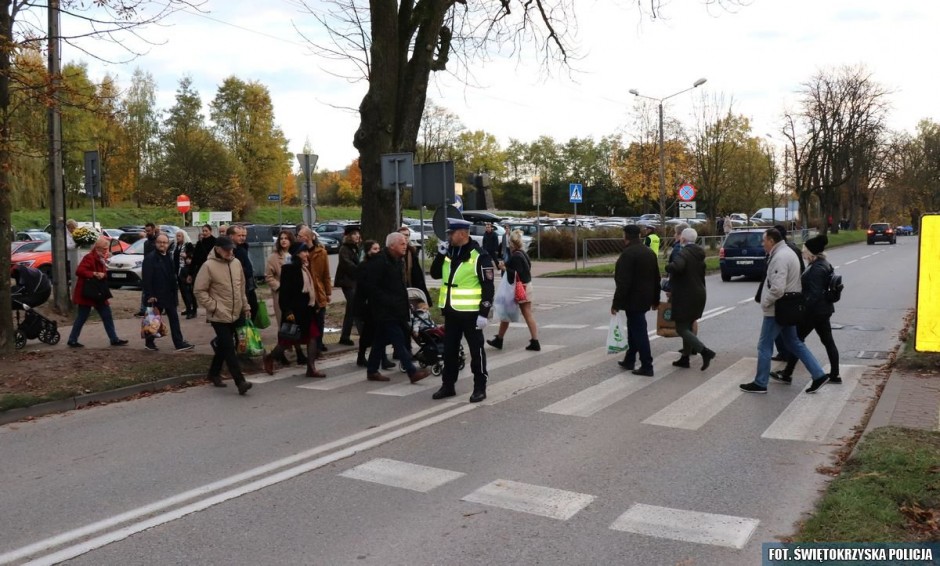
(654, 243)
(463, 292)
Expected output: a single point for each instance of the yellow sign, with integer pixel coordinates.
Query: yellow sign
(927, 331)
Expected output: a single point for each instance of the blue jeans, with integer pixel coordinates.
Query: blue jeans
(638, 339)
(104, 311)
(769, 331)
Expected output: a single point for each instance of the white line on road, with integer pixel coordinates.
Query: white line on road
(402, 474)
(566, 326)
(509, 388)
(809, 417)
(698, 406)
(747, 300)
(298, 371)
(689, 526)
(719, 313)
(851, 262)
(866, 256)
(528, 498)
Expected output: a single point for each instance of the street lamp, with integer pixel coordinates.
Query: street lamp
(662, 153)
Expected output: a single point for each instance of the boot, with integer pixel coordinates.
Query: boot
(444, 392)
(707, 357)
(268, 362)
(497, 342)
(312, 349)
(361, 360)
(243, 386)
(387, 363)
(682, 362)
(216, 380)
(533, 346)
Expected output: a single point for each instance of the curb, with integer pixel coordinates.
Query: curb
(888, 400)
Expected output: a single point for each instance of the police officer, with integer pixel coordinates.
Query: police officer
(466, 272)
(652, 239)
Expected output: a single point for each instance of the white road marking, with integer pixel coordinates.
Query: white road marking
(492, 362)
(612, 390)
(566, 326)
(509, 388)
(335, 382)
(689, 526)
(810, 416)
(698, 406)
(401, 474)
(851, 262)
(747, 300)
(866, 256)
(709, 311)
(528, 498)
(719, 313)
(298, 371)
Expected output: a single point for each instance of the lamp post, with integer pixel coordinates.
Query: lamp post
(662, 151)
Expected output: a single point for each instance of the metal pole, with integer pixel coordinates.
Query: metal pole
(397, 195)
(308, 203)
(280, 200)
(538, 219)
(662, 172)
(60, 287)
(575, 236)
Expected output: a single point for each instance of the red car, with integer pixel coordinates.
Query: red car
(41, 256)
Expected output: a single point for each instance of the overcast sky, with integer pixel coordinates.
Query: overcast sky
(760, 55)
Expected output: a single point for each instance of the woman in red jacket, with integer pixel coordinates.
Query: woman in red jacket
(92, 266)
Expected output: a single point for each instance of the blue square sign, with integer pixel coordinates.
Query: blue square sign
(575, 193)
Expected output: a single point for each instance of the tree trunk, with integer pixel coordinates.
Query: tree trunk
(7, 343)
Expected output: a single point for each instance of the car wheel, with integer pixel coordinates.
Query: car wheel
(870, 243)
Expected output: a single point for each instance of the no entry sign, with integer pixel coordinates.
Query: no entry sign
(182, 204)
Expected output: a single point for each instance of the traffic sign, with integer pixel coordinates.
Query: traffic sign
(687, 192)
(458, 203)
(687, 209)
(575, 193)
(182, 204)
(274, 198)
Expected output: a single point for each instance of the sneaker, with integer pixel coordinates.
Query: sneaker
(119, 342)
(781, 377)
(752, 388)
(627, 365)
(346, 342)
(151, 347)
(817, 383)
(185, 347)
(835, 379)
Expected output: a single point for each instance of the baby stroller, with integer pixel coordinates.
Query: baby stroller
(32, 289)
(427, 335)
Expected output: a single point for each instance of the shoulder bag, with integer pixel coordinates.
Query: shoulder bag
(96, 290)
(789, 309)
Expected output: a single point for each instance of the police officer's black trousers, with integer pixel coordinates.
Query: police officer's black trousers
(456, 327)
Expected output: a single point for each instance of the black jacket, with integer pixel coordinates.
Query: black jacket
(201, 253)
(241, 253)
(815, 281)
(291, 297)
(414, 273)
(687, 283)
(485, 274)
(346, 268)
(383, 288)
(491, 244)
(159, 279)
(518, 264)
(637, 278)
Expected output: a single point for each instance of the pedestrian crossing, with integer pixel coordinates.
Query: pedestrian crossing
(573, 300)
(562, 505)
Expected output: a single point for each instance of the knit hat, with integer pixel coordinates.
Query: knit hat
(816, 244)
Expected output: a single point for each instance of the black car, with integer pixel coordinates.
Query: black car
(742, 253)
(881, 232)
(333, 230)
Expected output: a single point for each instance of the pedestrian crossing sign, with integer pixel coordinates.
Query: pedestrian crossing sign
(575, 193)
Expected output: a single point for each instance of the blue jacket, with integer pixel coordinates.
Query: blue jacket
(159, 279)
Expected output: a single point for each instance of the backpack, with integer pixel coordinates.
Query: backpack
(834, 288)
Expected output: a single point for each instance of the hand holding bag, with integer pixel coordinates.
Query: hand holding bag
(289, 330)
(617, 333)
(789, 309)
(505, 307)
(96, 290)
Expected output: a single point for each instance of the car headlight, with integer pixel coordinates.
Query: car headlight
(28, 263)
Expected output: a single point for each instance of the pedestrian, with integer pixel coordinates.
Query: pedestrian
(298, 305)
(414, 270)
(150, 239)
(181, 250)
(729, 224)
(220, 289)
(687, 283)
(783, 276)
(320, 269)
(652, 239)
(272, 276)
(491, 243)
(346, 279)
(636, 276)
(362, 308)
(160, 289)
(239, 235)
(519, 266)
(720, 225)
(819, 309)
(187, 276)
(70, 227)
(677, 241)
(782, 354)
(387, 295)
(93, 266)
(203, 248)
(466, 272)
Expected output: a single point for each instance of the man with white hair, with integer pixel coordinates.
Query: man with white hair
(687, 284)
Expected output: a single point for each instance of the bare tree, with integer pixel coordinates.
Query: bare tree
(714, 145)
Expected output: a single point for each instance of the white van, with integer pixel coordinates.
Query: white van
(769, 217)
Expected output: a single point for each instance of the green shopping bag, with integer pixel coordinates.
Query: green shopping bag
(261, 319)
(249, 340)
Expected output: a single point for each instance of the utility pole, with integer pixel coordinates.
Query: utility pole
(60, 284)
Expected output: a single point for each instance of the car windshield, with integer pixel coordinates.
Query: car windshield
(137, 248)
(879, 226)
(743, 240)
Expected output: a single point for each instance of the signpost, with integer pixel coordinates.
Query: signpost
(575, 195)
(92, 181)
(183, 206)
(277, 198)
(687, 192)
(687, 209)
(537, 201)
(398, 172)
(308, 162)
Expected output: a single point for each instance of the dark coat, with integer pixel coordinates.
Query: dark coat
(159, 279)
(687, 281)
(201, 253)
(383, 286)
(414, 273)
(291, 297)
(637, 278)
(188, 249)
(491, 244)
(87, 267)
(519, 263)
(346, 268)
(815, 281)
(241, 253)
(360, 302)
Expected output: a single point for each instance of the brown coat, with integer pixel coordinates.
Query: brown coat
(272, 276)
(320, 270)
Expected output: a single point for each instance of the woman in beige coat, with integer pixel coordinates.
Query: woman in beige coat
(272, 276)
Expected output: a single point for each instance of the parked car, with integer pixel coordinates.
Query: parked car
(22, 246)
(881, 232)
(742, 253)
(32, 235)
(39, 257)
(132, 228)
(112, 233)
(126, 269)
(772, 216)
(333, 230)
(904, 230)
(331, 244)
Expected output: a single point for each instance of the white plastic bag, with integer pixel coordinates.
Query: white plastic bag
(617, 333)
(505, 307)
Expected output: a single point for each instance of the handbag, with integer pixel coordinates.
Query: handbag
(789, 309)
(96, 290)
(289, 331)
(262, 320)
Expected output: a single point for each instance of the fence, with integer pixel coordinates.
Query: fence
(595, 251)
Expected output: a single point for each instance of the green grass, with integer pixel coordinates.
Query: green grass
(889, 491)
(22, 400)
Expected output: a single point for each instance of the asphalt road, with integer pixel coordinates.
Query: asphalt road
(569, 461)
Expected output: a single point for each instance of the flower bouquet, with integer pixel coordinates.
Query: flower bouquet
(84, 236)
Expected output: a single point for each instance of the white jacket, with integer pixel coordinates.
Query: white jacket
(783, 276)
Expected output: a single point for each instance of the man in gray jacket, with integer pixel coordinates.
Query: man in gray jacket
(783, 276)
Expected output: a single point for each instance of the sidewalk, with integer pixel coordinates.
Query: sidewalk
(908, 400)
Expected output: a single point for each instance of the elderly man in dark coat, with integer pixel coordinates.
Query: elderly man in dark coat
(687, 281)
(160, 291)
(637, 278)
